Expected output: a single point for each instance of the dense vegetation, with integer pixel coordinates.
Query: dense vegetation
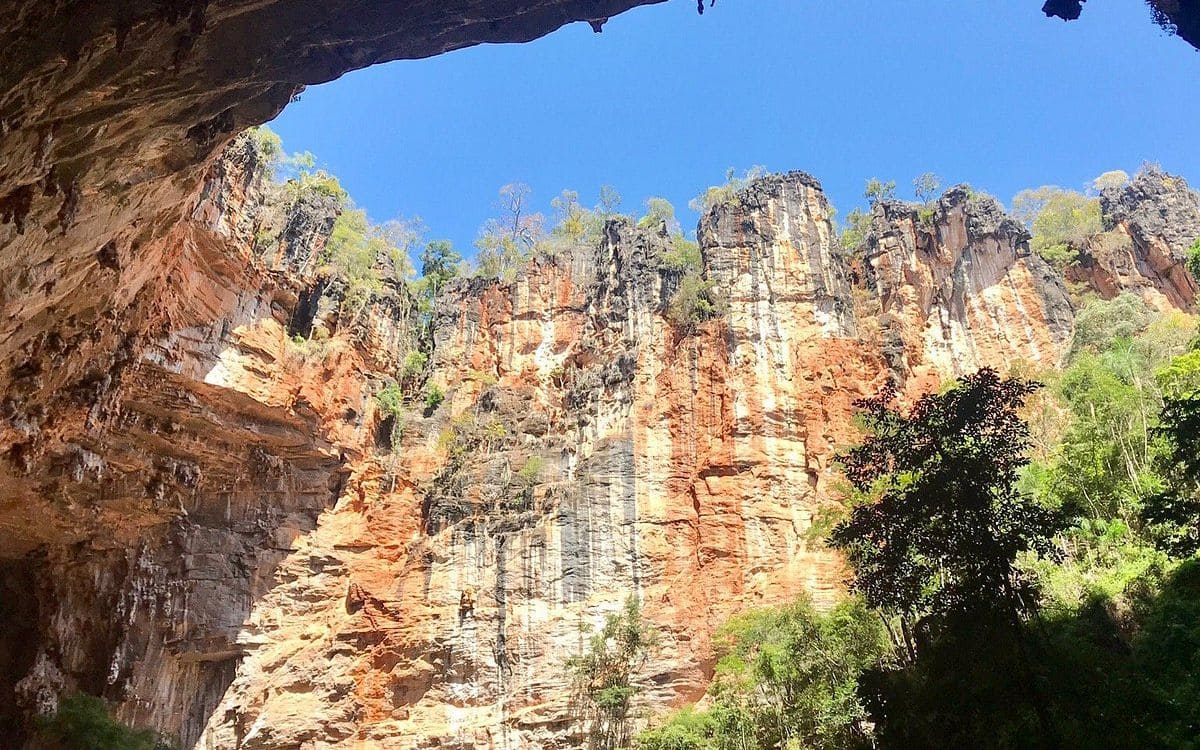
(82, 722)
(1024, 570)
(784, 678)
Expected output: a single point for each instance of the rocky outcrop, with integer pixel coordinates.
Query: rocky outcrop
(292, 567)
(1151, 224)
(955, 287)
(227, 536)
(110, 115)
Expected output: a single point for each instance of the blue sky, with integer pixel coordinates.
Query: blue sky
(664, 101)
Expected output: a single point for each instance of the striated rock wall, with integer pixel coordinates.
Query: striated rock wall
(286, 570)
(1152, 223)
(111, 114)
(957, 288)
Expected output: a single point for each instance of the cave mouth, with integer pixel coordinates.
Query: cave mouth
(304, 315)
(438, 139)
(604, 89)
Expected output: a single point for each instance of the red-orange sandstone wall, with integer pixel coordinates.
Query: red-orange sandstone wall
(254, 564)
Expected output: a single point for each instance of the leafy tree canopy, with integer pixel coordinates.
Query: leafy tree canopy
(945, 523)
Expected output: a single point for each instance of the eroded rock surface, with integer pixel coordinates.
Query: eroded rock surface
(1152, 224)
(230, 539)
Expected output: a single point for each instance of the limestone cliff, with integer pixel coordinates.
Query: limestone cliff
(957, 288)
(229, 539)
(1152, 223)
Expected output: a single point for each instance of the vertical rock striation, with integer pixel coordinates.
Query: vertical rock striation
(957, 288)
(1152, 224)
(229, 538)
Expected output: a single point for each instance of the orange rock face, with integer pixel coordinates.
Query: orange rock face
(290, 567)
(1153, 223)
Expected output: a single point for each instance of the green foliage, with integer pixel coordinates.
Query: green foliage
(785, 677)
(353, 253)
(1101, 559)
(926, 186)
(684, 255)
(1061, 221)
(414, 365)
(689, 729)
(82, 722)
(573, 222)
(531, 470)
(876, 190)
(948, 522)
(434, 396)
(304, 178)
(1117, 670)
(1104, 464)
(575, 225)
(1101, 323)
(854, 236)
(606, 675)
(391, 403)
(268, 145)
(719, 194)
(1193, 260)
(610, 201)
(694, 302)
(439, 264)
(1109, 180)
(1180, 377)
(1173, 513)
(660, 213)
(391, 400)
(506, 242)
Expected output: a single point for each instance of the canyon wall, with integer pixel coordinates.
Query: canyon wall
(230, 539)
(1151, 224)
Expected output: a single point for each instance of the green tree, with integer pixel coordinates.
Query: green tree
(434, 396)
(391, 405)
(660, 213)
(877, 190)
(1115, 179)
(439, 264)
(946, 521)
(1193, 260)
(302, 177)
(268, 146)
(506, 242)
(940, 535)
(1174, 513)
(1104, 464)
(610, 202)
(570, 217)
(1061, 221)
(926, 186)
(694, 302)
(606, 675)
(400, 238)
(718, 194)
(684, 255)
(785, 678)
(82, 722)
(354, 253)
(858, 226)
(574, 225)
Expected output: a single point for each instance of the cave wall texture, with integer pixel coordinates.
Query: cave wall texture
(205, 522)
